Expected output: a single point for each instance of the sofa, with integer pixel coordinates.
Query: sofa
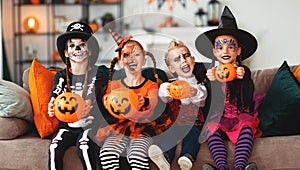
(27, 151)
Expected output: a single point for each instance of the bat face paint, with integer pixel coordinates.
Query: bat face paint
(128, 51)
(230, 43)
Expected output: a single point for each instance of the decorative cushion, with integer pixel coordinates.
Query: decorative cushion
(40, 85)
(279, 112)
(12, 127)
(297, 73)
(14, 101)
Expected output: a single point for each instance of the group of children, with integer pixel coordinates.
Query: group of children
(212, 111)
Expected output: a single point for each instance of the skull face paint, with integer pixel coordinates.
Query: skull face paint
(77, 50)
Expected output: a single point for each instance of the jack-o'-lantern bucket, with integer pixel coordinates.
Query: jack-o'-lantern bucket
(68, 107)
(122, 103)
(225, 73)
(179, 89)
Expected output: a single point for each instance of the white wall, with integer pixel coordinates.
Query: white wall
(275, 23)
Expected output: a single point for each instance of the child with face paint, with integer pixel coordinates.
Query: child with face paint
(187, 111)
(232, 111)
(132, 58)
(79, 50)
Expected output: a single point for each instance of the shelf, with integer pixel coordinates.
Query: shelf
(35, 34)
(43, 42)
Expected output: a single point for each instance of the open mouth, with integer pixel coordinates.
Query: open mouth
(132, 66)
(226, 57)
(186, 68)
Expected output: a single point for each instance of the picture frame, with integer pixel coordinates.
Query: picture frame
(60, 24)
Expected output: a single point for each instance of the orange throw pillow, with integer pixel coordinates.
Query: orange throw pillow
(297, 73)
(40, 85)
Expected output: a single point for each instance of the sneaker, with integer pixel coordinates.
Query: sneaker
(185, 163)
(208, 166)
(251, 166)
(157, 157)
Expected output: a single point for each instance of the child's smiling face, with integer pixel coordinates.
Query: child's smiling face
(77, 50)
(226, 49)
(132, 57)
(181, 62)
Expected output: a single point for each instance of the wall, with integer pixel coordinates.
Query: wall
(273, 22)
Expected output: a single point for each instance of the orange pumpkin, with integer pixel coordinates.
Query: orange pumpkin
(94, 26)
(225, 73)
(68, 107)
(179, 89)
(122, 103)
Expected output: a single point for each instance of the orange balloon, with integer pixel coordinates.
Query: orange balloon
(179, 89)
(122, 103)
(225, 73)
(68, 107)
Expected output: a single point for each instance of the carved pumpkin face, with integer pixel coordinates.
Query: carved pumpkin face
(225, 73)
(68, 107)
(122, 103)
(179, 89)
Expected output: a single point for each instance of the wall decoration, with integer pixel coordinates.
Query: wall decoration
(170, 3)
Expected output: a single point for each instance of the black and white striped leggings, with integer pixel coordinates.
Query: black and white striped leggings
(136, 152)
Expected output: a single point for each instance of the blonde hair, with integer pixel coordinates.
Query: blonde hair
(174, 44)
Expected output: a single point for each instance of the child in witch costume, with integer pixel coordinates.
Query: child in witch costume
(79, 50)
(232, 112)
(187, 112)
(125, 133)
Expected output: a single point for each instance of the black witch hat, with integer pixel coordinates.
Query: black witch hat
(227, 26)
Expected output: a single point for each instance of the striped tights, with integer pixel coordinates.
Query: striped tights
(242, 151)
(136, 149)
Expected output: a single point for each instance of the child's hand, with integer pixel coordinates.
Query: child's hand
(164, 92)
(50, 107)
(193, 91)
(87, 108)
(83, 122)
(240, 72)
(211, 74)
(141, 100)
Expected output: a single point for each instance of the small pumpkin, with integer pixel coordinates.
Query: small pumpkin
(94, 26)
(122, 103)
(179, 89)
(68, 107)
(225, 73)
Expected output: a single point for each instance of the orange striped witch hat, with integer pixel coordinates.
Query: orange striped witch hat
(119, 39)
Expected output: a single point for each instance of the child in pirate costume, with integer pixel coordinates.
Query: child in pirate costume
(126, 133)
(187, 111)
(232, 113)
(79, 50)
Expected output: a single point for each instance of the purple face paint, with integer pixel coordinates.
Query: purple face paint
(229, 43)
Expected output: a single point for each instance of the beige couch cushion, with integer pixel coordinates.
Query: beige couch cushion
(12, 128)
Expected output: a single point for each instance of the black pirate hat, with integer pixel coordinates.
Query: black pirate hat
(78, 30)
(205, 41)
